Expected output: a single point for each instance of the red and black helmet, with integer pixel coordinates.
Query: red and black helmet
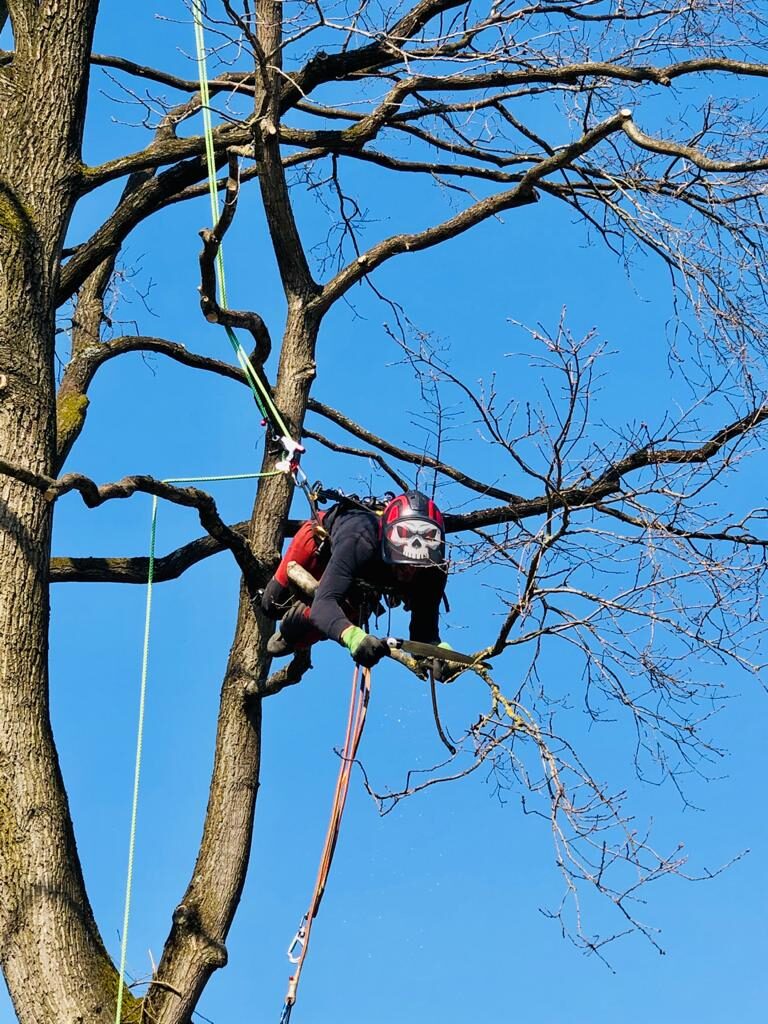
(412, 531)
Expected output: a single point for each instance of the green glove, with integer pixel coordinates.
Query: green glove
(441, 670)
(365, 650)
(352, 637)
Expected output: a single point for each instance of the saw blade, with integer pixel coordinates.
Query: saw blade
(431, 651)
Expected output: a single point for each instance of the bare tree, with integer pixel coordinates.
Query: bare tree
(502, 105)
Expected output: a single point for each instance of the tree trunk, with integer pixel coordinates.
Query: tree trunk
(201, 922)
(54, 961)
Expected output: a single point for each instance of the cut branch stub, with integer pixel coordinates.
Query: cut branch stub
(288, 675)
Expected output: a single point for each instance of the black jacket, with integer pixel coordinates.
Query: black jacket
(356, 556)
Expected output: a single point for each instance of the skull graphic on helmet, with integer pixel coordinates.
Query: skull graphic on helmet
(414, 539)
(412, 531)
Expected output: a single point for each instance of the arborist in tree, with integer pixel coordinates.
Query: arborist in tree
(360, 558)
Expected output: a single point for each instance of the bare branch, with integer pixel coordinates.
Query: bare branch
(572, 74)
(361, 453)
(173, 350)
(167, 149)
(609, 481)
(521, 195)
(288, 675)
(413, 458)
(669, 148)
(190, 497)
(324, 67)
(242, 81)
(135, 570)
(212, 239)
(72, 399)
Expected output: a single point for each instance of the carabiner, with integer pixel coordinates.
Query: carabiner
(293, 452)
(298, 941)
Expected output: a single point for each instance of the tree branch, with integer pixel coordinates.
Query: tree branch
(72, 400)
(609, 481)
(168, 149)
(288, 675)
(131, 211)
(324, 67)
(414, 458)
(135, 570)
(173, 350)
(521, 195)
(212, 239)
(517, 509)
(359, 453)
(690, 153)
(295, 274)
(94, 495)
(573, 74)
(653, 523)
(243, 81)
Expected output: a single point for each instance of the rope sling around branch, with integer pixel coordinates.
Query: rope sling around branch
(358, 707)
(142, 706)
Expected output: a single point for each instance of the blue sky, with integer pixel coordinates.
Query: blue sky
(432, 912)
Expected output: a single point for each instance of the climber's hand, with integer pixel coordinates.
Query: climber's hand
(442, 670)
(366, 650)
(275, 599)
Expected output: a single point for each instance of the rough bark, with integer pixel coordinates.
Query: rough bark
(44, 905)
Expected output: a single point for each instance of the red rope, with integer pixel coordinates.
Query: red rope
(358, 705)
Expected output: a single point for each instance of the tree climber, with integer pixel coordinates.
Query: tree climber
(360, 558)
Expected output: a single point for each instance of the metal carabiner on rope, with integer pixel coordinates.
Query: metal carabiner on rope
(293, 452)
(298, 941)
(297, 950)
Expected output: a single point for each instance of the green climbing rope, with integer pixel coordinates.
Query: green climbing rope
(263, 399)
(137, 764)
(142, 705)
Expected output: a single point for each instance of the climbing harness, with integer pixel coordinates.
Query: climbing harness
(370, 503)
(297, 951)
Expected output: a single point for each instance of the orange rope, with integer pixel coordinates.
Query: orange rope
(358, 706)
